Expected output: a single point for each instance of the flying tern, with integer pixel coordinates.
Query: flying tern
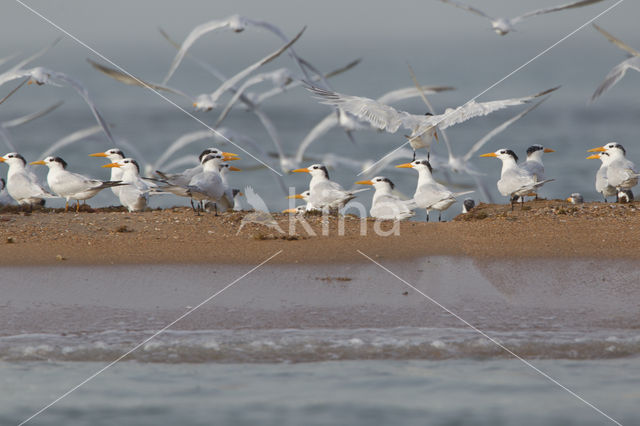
(203, 102)
(617, 72)
(384, 117)
(431, 195)
(515, 182)
(385, 204)
(71, 186)
(22, 185)
(502, 26)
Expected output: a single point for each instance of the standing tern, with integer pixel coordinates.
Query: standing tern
(227, 201)
(323, 192)
(203, 102)
(183, 178)
(135, 194)
(533, 164)
(386, 118)
(71, 186)
(431, 195)
(602, 183)
(385, 204)
(514, 181)
(22, 185)
(114, 155)
(305, 196)
(621, 173)
(502, 26)
(619, 70)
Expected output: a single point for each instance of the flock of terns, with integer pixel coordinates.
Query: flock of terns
(207, 185)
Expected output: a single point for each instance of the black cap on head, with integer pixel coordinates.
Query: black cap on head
(16, 155)
(511, 153)
(534, 148)
(61, 161)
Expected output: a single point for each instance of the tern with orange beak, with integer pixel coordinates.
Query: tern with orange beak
(621, 173)
(114, 155)
(533, 163)
(135, 195)
(183, 178)
(386, 205)
(602, 183)
(514, 181)
(22, 185)
(227, 201)
(72, 186)
(305, 195)
(431, 195)
(323, 192)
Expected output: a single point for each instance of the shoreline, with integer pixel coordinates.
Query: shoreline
(543, 229)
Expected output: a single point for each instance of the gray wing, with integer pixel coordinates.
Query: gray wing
(498, 130)
(554, 9)
(30, 117)
(622, 45)
(242, 74)
(616, 75)
(468, 8)
(127, 79)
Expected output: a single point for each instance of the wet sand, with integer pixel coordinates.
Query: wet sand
(543, 229)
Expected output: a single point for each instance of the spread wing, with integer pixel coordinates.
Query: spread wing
(554, 9)
(468, 8)
(622, 45)
(616, 75)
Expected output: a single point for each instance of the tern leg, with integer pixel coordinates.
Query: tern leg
(66, 206)
(414, 155)
(77, 206)
(427, 210)
(440, 216)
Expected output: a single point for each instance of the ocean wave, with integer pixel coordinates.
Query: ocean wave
(314, 345)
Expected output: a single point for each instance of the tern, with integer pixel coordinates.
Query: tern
(515, 182)
(467, 205)
(602, 183)
(617, 72)
(135, 194)
(431, 195)
(502, 26)
(385, 204)
(71, 186)
(5, 198)
(235, 23)
(203, 102)
(384, 117)
(114, 155)
(183, 178)
(621, 173)
(575, 198)
(305, 196)
(40, 76)
(22, 185)
(227, 201)
(533, 164)
(323, 192)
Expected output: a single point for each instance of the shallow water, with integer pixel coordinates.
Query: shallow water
(317, 345)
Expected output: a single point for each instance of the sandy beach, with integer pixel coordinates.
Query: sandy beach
(543, 229)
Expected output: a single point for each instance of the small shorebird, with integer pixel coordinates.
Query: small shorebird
(386, 205)
(514, 181)
(503, 26)
(431, 195)
(72, 186)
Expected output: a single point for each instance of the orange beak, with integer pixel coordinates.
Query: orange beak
(195, 105)
(298, 196)
(38, 162)
(227, 158)
(229, 154)
(548, 150)
(1, 160)
(404, 166)
(290, 211)
(98, 154)
(599, 149)
(305, 170)
(490, 154)
(594, 157)
(366, 182)
(235, 169)
(111, 165)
